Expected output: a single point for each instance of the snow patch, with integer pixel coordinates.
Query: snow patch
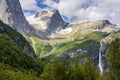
(38, 23)
(64, 31)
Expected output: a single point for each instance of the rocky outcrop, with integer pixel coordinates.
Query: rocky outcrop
(1, 30)
(73, 54)
(11, 14)
(103, 24)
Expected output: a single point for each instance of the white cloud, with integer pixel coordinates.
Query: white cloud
(66, 7)
(28, 14)
(88, 10)
(83, 10)
(29, 5)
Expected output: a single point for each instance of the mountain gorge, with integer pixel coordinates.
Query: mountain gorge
(33, 44)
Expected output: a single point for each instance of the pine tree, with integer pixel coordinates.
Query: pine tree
(75, 73)
(54, 71)
(113, 57)
(89, 71)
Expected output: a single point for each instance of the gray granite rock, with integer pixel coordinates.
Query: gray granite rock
(48, 22)
(11, 14)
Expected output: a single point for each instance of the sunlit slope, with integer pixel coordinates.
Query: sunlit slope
(85, 36)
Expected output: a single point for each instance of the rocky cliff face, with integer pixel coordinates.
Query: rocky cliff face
(42, 25)
(105, 26)
(47, 22)
(1, 30)
(11, 13)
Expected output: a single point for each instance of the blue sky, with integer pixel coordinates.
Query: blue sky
(76, 10)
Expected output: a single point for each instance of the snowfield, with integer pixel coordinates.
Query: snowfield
(64, 31)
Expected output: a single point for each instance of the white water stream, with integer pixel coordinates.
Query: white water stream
(100, 58)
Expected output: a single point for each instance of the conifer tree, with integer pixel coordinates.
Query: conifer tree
(113, 57)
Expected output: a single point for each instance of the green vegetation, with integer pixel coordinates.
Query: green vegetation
(86, 70)
(90, 43)
(8, 73)
(11, 54)
(62, 71)
(50, 49)
(17, 38)
(41, 49)
(114, 60)
(14, 62)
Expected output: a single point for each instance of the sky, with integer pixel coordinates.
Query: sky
(76, 10)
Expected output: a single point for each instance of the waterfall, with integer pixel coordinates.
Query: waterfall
(100, 58)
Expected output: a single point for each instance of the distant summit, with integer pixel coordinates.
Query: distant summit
(48, 21)
(105, 25)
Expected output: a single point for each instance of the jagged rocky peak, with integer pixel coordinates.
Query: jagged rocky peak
(105, 25)
(105, 22)
(49, 16)
(48, 21)
(11, 14)
(49, 13)
(46, 13)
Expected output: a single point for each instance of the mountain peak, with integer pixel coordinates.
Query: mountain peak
(46, 13)
(105, 22)
(48, 21)
(105, 26)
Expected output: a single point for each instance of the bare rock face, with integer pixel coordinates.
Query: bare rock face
(47, 22)
(104, 23)
(1, 30)
(106, 26)
(11, 14)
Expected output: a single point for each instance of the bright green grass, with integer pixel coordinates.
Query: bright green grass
(41, 48)
(89, 42)
(50, 49)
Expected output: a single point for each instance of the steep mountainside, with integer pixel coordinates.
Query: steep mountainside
(17, 38)
(11, 13)
(16, 52)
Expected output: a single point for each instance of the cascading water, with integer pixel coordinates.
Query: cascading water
(100, 57)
